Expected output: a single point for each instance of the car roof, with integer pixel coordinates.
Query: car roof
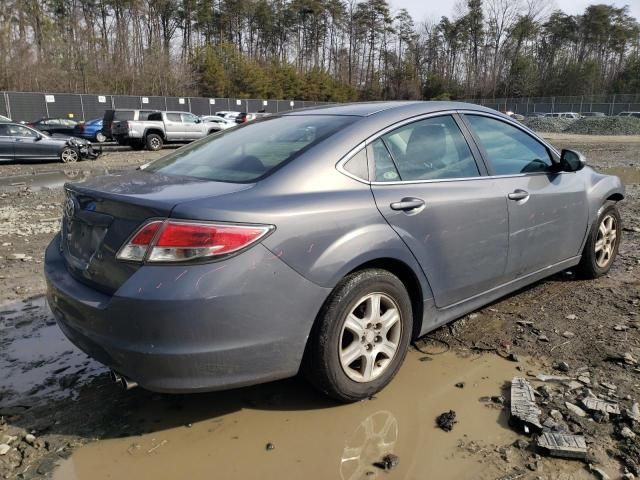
(366, 109)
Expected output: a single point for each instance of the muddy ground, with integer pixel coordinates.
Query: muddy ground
(54, 400)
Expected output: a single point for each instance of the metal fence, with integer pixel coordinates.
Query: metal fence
(607, 104)
(29, 106)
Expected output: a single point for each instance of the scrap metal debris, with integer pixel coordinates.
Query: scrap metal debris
(566, 446)
(596, 405)
(447, 420)
(524, 411)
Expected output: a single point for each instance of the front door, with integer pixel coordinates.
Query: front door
(30, 145)
(429, 187)
(548, 211)
(193, 126)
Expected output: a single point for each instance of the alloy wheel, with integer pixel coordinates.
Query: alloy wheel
(606, 240)
(69, 155)
(370, 337)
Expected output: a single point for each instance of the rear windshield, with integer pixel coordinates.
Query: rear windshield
(252, 151)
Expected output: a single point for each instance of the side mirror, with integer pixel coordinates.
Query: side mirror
(198, 120)
(572, 161)
(39, 137)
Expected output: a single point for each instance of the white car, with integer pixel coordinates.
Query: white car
(221, 122)
(228, 114)
(5, 119)
(564, 115)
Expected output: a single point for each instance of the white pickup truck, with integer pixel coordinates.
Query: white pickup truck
(161, 128)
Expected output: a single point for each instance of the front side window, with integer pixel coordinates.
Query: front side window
(510, 151)
(20, 131)
(431, 149)
(189, 118)
(247, 153)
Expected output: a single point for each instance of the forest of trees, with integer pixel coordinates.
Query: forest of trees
(329, 50)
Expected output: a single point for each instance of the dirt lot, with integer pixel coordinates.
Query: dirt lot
(53, 399)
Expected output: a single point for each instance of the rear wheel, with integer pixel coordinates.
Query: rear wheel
(69, 155)
(362, 336)
(602, 244)
(154, 142)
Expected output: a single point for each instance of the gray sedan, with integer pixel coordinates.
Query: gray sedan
(322, 240)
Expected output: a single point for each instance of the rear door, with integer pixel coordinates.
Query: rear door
(174, 127)
(431, 190)
(6, 144)
(548, 211)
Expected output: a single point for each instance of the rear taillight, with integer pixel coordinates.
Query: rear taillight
(180, 241)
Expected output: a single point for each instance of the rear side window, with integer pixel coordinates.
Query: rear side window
(155, 117)
(431, 149)
(357, 165)
(173, 117)
(4, 131)
(385, 168)
(510, 151)
(252, 151)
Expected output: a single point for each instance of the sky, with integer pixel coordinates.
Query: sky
(434, 9)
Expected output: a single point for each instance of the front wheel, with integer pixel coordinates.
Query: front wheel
(69, 155)
(361, 337)
(100, 137)
(602, 244)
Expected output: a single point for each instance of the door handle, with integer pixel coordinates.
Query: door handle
(407, 204)
(518, 195)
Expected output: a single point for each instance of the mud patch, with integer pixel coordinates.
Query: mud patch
(36, 360)
(224, 435)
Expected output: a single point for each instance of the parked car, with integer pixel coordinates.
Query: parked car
(221, 122)
(19, 143)
(228, 114)
(334, 234)
(5, 119)
(247, 117)
(161, 128)
(629, 114)
(91, 130)
(63, 126)
(593, 114)
(563, 115)
(122, 114)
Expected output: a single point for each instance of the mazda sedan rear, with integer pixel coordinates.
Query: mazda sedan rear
(321, 240)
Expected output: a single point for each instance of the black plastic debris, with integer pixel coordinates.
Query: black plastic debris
(525, 413)
(446, 420)
(388, 462)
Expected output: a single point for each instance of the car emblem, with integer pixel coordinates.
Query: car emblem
(69, 211)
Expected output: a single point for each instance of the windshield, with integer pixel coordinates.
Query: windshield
(247, 153)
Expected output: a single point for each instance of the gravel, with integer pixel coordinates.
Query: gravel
(586, 126)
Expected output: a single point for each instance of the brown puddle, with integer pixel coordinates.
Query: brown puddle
(317, 439)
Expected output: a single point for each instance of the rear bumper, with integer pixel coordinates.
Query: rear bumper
(238, 322)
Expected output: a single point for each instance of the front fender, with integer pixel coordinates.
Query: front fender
(599, 188)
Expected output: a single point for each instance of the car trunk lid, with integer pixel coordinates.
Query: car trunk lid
(100, 214)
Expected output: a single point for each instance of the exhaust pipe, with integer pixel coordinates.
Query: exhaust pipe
(122, 381)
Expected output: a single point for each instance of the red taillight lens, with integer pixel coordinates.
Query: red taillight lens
(176, 241)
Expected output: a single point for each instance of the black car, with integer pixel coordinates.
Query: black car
(19, 142)
(54, 125)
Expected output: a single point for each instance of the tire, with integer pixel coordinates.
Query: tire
(602, 244)
(337, 360)
(153, 142)
(100, 137)
(69, 155)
